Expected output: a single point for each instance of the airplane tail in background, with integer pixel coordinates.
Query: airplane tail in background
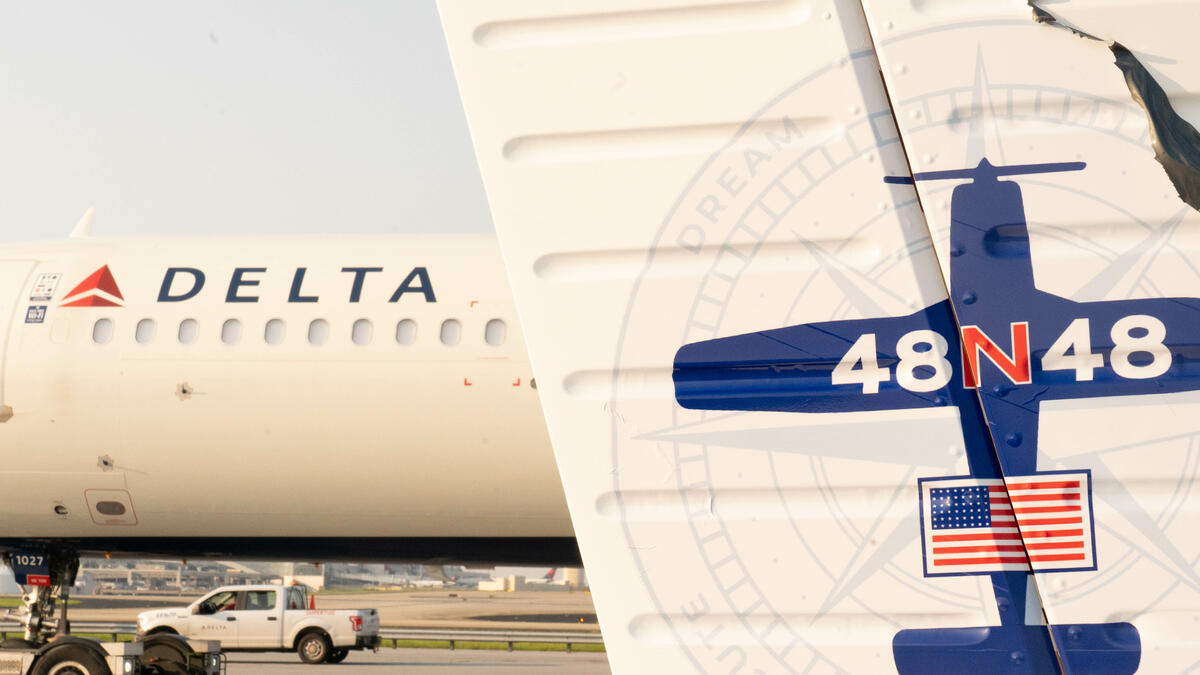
(815, 412)
(438, 573)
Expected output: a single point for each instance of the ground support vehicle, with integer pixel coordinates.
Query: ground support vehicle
(47, 648)
(268, 617)
(77, 656)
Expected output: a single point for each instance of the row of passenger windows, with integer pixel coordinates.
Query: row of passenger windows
(275, 331)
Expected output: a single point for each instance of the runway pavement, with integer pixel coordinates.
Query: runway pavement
(427, 661)
(441, 608)
(434, 608)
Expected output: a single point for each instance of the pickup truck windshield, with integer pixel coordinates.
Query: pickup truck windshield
(218, 602)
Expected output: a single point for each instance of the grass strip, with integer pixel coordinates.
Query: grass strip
(473, 644)
(16, 602)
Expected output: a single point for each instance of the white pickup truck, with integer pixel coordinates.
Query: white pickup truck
(266, 617)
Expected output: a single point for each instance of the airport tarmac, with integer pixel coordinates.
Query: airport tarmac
(428, 662)
(442, 608)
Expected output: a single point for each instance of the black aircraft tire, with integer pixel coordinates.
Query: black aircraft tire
(71, 660)
(337, 655)
(313, 648)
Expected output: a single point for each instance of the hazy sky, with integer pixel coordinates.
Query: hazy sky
(221, 117)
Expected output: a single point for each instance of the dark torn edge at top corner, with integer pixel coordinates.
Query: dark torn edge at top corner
(1176, 142)
(1042, 16)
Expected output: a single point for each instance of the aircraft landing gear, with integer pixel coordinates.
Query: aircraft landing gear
(48, 649)
(43, 611)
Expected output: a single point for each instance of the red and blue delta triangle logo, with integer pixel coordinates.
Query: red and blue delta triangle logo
(98, 290)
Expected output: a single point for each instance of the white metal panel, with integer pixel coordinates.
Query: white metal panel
(668, 173)
(970, 80)
(13, 305)
(380, 439)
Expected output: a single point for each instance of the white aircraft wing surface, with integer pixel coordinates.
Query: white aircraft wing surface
(795, 402)
(1079, 264)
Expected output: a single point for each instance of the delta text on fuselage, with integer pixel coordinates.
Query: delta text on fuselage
(184, 283)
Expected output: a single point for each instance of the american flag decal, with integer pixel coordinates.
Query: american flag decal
(1042, 523)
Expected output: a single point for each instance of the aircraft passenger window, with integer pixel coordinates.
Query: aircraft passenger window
(451, 332)
(494, 332)
(318, 331)
(188, 331)
(274, 332)
(231, 331)
(144, 332)
(361, 332)
(406, 332)
(102, 331)
(259, 600)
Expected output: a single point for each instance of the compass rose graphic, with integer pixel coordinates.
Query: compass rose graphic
(1024, 346)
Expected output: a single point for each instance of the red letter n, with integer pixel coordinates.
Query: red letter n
(1015, 368)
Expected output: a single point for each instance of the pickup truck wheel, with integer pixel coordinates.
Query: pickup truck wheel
(71, 660)
(314, 648)
(337, 656)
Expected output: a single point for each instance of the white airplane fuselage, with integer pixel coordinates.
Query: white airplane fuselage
(261, 396)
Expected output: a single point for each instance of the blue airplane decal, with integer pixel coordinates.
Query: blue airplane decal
(1020, 345)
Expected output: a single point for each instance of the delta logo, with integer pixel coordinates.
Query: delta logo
(98, 290)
